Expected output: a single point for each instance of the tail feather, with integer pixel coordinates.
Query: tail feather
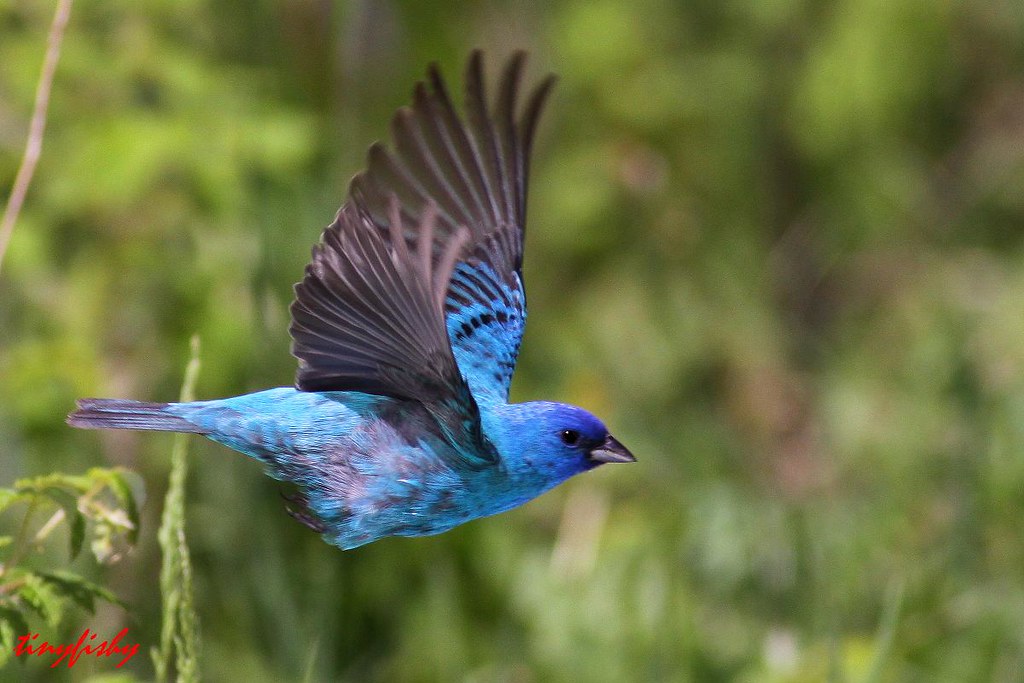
(113, 413)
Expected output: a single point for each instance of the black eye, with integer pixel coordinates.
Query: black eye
(570, 437)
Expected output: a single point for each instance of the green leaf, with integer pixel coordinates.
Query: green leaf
(12, 626)
(42, 598)
(77, 534)
(102, 544)
(8, 497)
(57, 480)
(82, 591)
(114, 479)
(74, 518)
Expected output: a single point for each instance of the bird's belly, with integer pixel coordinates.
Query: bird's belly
(360, 520)
(376, 507)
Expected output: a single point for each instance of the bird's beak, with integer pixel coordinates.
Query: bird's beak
(611, 451)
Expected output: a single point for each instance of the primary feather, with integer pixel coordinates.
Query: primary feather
(407, 326)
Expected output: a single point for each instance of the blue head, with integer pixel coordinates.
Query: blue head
(554, 441)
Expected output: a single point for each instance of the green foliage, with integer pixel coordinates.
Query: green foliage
(775, 244)
(99, 505)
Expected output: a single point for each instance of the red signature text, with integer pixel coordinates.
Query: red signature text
(86, 645)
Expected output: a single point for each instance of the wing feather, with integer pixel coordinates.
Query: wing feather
(415, 291)
(475, 170)
(368, 316)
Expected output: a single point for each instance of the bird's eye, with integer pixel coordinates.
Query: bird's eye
(570, 437)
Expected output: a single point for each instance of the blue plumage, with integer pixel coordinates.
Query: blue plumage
(407, 327)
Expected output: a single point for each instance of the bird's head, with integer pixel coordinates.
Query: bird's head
(558, 440)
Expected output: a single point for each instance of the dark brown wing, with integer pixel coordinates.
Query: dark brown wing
(475, 171)
(368, 316)
(379, 309)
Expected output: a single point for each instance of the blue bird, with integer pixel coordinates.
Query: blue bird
(406, 326)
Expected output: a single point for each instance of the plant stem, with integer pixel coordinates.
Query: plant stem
(179, 630)
(37, 126)
(20, 542)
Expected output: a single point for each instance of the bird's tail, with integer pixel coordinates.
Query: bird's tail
(113, 413)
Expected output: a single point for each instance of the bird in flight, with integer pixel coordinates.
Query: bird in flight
(406, 326)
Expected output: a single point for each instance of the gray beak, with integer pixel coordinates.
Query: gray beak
(611, 451)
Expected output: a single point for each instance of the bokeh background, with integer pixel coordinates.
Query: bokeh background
(778, 245)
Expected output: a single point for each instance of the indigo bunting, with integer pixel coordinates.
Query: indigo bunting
(406, 327)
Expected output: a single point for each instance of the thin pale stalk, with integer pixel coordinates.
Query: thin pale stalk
(37, 126)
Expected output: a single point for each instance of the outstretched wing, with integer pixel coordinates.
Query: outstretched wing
(475, 171)
(369, 316)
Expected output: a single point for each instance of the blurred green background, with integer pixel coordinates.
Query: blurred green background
(778, 245)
